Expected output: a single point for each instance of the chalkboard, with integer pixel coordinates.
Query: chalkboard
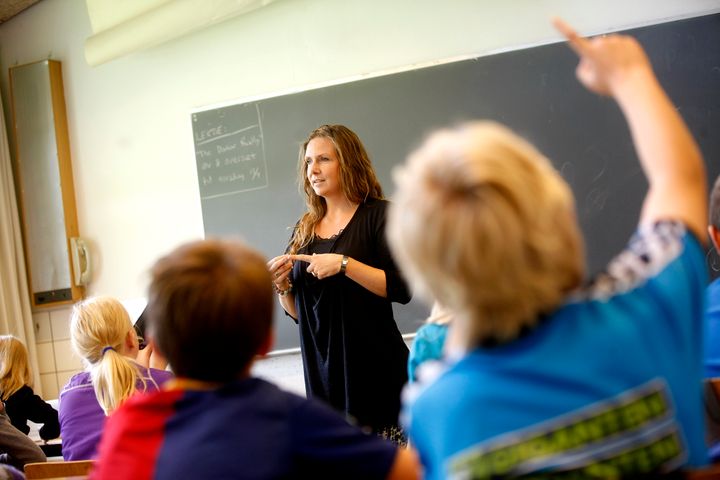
(247, 153)
(230, 152)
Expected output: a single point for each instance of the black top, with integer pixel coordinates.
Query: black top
(24, 405)
(353, 354)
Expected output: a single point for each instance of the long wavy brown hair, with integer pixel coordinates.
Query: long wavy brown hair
(357, 179)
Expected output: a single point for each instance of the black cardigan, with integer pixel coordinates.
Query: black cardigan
(24, 405)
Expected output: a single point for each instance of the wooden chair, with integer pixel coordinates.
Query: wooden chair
(711, 398)
(58, 469)
(708, 473)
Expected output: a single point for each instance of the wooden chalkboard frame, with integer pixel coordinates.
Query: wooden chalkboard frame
(532, 90)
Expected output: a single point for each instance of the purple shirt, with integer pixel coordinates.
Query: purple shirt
(82, 418)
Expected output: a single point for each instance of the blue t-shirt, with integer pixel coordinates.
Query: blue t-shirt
(712, 330)
(246, 429)
(609, 384)
(428, 345)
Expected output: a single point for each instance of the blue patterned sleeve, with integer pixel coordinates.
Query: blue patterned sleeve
(662, 276)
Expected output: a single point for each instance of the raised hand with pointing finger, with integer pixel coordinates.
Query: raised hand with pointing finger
(472, 204)
(605, 61)
(617, 65)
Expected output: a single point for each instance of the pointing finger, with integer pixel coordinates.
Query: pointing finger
(301, 257)
(579, 44)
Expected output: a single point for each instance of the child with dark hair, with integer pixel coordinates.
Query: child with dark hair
(712, 332)
(712, 329)
(210, 314)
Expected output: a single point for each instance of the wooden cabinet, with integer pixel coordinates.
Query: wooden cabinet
(44, 183)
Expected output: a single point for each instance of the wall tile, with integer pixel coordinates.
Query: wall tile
(41, 322)
(46, 358)
(64, 377)
(60, 323)
(49, 385)
(65, 358)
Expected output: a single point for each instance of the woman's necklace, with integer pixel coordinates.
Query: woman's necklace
(334, 229)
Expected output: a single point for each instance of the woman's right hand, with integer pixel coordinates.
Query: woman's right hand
(280, 268)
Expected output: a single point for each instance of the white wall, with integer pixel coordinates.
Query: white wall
(129, 121)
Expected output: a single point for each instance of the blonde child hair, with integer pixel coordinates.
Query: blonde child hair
(99, 329)
(439, 315)
(509, 217)
(15, 369)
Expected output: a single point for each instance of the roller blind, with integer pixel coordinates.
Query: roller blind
(127, 26)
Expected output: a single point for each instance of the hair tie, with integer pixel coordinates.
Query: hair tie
(106, 349)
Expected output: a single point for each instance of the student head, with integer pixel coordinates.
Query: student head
(714, 227)
(356, 176)
(14, 366)
(484, 224)
(210, 307)
(102, 334)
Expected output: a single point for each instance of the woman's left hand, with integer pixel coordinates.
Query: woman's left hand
(321, 266)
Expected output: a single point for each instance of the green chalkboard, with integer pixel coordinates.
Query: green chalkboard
(247, 152)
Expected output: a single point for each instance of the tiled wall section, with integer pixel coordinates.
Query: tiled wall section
(56, 360)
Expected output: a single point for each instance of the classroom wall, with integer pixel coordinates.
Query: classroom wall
(129, 119)
(133, 159)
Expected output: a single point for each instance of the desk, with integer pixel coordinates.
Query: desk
(51, 448)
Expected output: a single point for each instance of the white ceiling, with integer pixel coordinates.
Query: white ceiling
(10, 8)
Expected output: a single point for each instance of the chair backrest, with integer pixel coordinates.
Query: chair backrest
(711, 398)
(57, 469)
(708, 473)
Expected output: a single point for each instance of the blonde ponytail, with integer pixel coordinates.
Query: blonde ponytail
(98, 329)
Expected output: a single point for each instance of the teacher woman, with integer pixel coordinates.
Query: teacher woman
(338, 279)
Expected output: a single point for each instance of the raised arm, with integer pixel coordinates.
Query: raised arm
(616, 65)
